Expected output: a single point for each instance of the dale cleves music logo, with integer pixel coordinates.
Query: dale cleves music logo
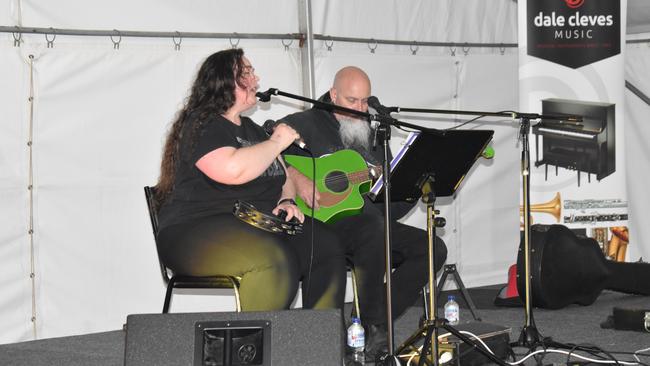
(574, 33)
(573, 4)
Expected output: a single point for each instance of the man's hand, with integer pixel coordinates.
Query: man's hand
(304, 187)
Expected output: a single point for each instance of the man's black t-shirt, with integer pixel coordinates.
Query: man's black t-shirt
(196, 195)
(320, 130)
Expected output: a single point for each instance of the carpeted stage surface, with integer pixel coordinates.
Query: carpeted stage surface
(574, 324)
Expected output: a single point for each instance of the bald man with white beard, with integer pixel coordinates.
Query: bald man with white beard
(326, 132)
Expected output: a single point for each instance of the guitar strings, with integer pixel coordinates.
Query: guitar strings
(343, 178)
(354, 176)
(348, 176)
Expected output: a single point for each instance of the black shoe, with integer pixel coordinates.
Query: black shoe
(376, 342)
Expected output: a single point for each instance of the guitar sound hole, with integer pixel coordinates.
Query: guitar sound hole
(337, 182)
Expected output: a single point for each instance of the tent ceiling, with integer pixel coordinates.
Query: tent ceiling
(392, 19)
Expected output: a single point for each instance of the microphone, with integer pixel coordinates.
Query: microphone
(382, 110)
(269, 127)
(266, 96)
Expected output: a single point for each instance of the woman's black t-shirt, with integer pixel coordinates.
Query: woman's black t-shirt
(196, 195)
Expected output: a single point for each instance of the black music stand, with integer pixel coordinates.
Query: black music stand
(449, 154)
(435, 165)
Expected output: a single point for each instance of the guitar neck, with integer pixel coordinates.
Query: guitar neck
(364, 175)
(359, 176)
(630, 278)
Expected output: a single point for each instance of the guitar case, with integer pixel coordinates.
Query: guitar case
(569, 269)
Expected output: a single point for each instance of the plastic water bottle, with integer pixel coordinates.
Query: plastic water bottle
(356, 340)
(452, 312)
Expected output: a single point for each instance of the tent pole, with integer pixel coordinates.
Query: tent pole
(307, 48)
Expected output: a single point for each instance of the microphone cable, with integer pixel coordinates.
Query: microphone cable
(268, 128)
(472, 120)
(311, 248)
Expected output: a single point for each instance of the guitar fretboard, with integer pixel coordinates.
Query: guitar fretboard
(359, 177)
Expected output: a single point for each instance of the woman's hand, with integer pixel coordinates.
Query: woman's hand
(291, 209)
(284, 135)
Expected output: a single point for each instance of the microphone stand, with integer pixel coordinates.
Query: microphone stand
(266, 96)
(383, 133)
(529, 336)
(383, 129)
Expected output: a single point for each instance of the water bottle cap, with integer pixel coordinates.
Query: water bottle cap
(451, 297)
(356, 320)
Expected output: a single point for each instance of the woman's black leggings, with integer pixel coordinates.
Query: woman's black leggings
(270, 265)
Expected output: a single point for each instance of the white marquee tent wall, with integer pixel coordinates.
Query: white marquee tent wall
(99, 116)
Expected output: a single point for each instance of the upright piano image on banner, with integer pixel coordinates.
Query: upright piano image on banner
(587, 147)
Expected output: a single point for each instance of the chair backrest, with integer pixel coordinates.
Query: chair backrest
(149, 194)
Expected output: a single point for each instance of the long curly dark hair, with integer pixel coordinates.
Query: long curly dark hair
(213, 93)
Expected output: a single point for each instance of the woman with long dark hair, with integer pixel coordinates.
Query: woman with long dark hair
(214, 156)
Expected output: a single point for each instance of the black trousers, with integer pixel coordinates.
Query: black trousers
(363, 239)
(270, 265)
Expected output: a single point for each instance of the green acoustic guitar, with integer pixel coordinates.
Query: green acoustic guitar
(341, 179)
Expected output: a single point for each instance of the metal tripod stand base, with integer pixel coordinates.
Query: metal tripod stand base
(528, 338)
(427, 332)
(407, 349)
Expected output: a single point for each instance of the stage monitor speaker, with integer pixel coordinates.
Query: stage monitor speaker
(288, 337)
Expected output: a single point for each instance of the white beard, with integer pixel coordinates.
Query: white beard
(354, 132)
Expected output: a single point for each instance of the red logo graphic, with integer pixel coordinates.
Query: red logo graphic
(573, 4)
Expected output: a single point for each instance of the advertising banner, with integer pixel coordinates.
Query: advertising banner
(571, 64)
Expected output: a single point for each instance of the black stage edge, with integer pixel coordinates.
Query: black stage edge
(576, 324)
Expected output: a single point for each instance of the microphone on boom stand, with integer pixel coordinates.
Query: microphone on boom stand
(266, 95)
(380, 108)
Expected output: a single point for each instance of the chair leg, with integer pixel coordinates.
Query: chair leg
(168, 295)
(356, 295)
(443, 279)
(172, 282)
(425, 295)
(235, 287)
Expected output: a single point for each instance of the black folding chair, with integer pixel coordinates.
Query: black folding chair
(182, 281)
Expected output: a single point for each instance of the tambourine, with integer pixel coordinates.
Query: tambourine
(250, 215)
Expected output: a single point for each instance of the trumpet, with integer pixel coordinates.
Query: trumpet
(552, 207)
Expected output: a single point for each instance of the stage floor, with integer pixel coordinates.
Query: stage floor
(574, 324)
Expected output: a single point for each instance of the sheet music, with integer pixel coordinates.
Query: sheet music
(376, 188)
